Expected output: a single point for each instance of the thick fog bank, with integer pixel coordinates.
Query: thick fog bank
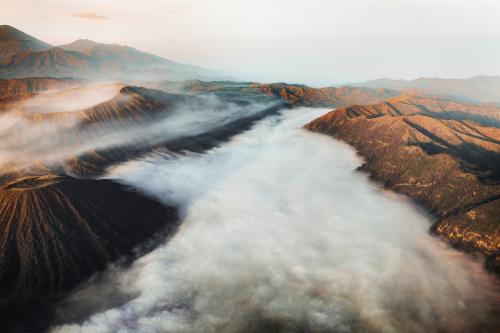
(281, 235)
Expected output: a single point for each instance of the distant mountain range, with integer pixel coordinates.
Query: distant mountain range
(293, 94)
(22, 55)
(478, 89)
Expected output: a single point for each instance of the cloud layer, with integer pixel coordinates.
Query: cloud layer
(281, 235)
(47, 129)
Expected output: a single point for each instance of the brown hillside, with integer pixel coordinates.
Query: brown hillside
(423, 148)
(12, 87)
(13, 41)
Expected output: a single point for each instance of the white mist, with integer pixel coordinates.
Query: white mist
(281, 234)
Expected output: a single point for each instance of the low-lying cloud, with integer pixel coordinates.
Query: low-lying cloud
(52, 127)
(281, 235)
(69, 100)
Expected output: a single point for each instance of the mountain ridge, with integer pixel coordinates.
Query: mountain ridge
(13, 41)
(88, 59)
(294, 94)
(479, 89)
(451, 165)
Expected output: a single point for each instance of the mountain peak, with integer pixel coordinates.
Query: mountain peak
(80, 45)
(24, 56)
(83, 42)
(9, 33)
(13, 41)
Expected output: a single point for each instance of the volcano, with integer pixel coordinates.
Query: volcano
(14, 41)
(56, 232)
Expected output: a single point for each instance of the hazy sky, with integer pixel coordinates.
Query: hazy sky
(317, 42)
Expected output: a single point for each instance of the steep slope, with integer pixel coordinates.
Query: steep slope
(87, 59)
(111, 52)
(298, 95)
(86, 129)
(483, 89)
(13, 41)
(321, 97)
(152, 107)
(437, 107)
(451, 166)
(41, 129)
(95, 162)
(57, 231)
(12, 87)
(54, 62)
(126, 62)
(107, 102)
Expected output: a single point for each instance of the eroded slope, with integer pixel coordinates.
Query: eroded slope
(57, 231)
(12, 87)
(438, 153)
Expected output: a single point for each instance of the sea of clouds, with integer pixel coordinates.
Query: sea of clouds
(52, 127)
(281, 234)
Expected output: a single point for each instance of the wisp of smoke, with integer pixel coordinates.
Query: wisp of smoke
(280, 234)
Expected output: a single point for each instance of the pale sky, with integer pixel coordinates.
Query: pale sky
(318, 42)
